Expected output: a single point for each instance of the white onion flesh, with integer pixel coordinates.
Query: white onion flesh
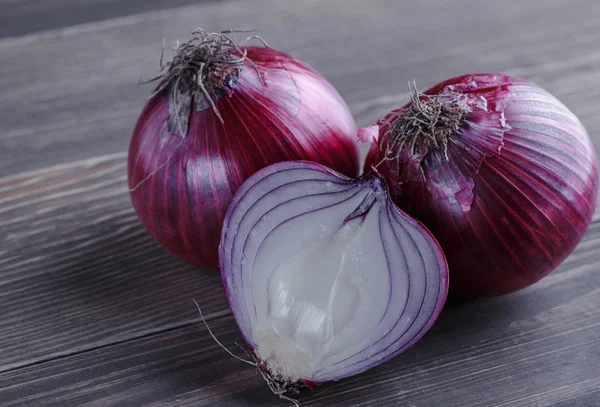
(326, 277)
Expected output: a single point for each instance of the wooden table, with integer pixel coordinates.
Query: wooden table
(94, 313)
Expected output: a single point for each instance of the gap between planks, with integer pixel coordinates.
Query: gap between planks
(108, 342)
(81, 28)
(25, 178)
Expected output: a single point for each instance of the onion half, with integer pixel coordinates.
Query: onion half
(499, 170)
(325, 276)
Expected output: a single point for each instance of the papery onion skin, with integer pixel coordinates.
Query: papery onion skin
(290, 112)
(519, 194)
(262, 198)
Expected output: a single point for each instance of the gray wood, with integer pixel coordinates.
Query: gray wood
(19, 17)
(78, 271)
(93, 312)
(74, 92)
(538, 347)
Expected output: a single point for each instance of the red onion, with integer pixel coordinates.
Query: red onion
(220, 113)
(500, 171)
(325, 276)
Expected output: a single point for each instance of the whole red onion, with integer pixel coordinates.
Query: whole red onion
(499, 170)
(220, 113)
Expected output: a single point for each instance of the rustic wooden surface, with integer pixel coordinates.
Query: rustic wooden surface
(94, 313)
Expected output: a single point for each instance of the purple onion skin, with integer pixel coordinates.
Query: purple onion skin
(294, 115)
(521, 184)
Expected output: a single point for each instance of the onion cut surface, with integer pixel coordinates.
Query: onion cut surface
(325, 276)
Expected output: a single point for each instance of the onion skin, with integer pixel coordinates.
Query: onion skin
(293, 113)
(521, 183)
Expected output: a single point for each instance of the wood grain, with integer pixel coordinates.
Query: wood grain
(78, 270)
(533, 348)
(75, 93)
(26, 16)
(80, 274)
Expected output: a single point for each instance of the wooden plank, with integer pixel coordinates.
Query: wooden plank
(26, 16)
(74, 91)
(538, 347)
(79, 271)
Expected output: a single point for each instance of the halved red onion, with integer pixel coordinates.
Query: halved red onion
(325, 276)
